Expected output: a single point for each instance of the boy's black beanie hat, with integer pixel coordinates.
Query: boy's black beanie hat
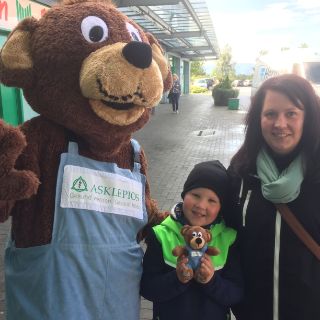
(209, 174)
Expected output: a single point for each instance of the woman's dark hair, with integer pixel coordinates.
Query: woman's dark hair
(301, 93)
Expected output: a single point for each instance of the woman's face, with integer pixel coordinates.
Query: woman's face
(281, 122)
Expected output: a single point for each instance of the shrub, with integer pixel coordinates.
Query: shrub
(196, 89)
(225, 84)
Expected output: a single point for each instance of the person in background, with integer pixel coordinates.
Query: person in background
(279, 162)
(175, 93)
(218, 282)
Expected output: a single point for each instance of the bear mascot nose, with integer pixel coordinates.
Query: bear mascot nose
(138, 54)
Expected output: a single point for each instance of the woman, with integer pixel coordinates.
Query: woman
(279, 162)
(175, 93)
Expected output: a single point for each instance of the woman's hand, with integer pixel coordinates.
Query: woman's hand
(184, 273)
(205, 271)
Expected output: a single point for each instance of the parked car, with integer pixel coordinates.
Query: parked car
(247, 83)
(235, 83)
(200, 83)
(207, 83)
(240, 83)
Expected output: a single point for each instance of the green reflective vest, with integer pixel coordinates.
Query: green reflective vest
(168, 234)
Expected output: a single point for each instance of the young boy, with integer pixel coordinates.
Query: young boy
(218, 283)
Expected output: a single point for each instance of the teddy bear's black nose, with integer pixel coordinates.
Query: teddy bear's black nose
(198, 241)
(138, 54)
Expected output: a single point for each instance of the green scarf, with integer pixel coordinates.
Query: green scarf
(278, 187)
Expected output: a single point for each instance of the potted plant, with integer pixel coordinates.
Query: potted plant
(224, 91)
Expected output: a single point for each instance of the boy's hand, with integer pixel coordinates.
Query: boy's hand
(206, 270)
(184, 273)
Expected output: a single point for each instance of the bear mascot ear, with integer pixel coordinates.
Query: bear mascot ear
(158, 56)
(16, 58)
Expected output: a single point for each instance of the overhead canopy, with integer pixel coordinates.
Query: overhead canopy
(183, 27)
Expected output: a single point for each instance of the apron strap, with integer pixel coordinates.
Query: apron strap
(73, 148)
(136, 157)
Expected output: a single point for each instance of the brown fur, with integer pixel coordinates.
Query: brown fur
(52, 87)
(189, 237)
(68, 2)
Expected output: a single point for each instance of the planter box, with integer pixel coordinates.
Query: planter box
(221, 96)
(233, 103)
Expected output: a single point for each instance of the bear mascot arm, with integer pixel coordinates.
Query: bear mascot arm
(92, 75)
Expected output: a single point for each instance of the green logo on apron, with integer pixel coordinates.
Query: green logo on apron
(79, 185)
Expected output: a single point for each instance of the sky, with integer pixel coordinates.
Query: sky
(250, 26)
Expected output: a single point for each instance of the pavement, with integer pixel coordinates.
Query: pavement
(173, 144)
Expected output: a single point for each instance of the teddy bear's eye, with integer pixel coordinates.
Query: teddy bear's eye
(194, 234)
(134, 33)
(94, 29)
(200, 234)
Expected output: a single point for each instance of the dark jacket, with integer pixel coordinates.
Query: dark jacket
(173, 300)
(270, 251)
(176, 87)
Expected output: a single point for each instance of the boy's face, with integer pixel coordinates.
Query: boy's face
(201, 206)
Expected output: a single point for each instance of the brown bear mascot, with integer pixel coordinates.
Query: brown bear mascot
(73, 179)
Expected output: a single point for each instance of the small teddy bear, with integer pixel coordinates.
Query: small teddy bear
(197, 239)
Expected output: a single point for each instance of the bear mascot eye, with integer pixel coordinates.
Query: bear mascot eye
(134, 33)
(94, 29)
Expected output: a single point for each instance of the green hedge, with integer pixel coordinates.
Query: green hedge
(196, 89)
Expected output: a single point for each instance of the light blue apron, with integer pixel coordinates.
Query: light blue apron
(91, 270)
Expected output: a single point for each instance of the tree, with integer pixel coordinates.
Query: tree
(225, 71)
(197, 68)
(225, 68)
(303, 45)
(263, 52)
